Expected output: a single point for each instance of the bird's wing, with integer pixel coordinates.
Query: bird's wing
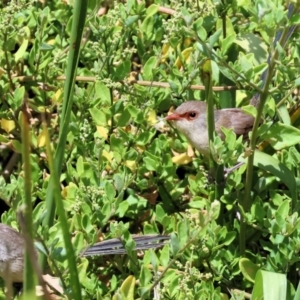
(241, 123)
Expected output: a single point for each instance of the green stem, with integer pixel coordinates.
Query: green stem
(75, 287)
(217, 170)
(29, 284)
(8, 67)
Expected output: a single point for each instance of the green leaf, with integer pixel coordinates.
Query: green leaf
(127, 289)
(79, 166)
(282, 213)
(116, 143)
(45, 16)
(118, 182)
(248, 269)
(251, 43)
(122, 70)
(214, 38)
(46, 61)
(100, 117)
(257, 210)
(131, 19)
(199, 29)
(21, 51)
(269, 286)
(133, 110)
(148, 27)
(154, 261)
(145, 276)
(33, 53)
(103, 92)
(174, 41)
(175, 244)
(46, 47)
(187, 17)
(297, 82)
(260, 68)
(250, 110)
(227, 42)
(284, 115)
(152, 10)
(183, 230)
(160, 213)
(10, 44)
(297, 295)
(85, 224)
(144, 137)
(124, 118)
(82, 269)
(215, 209)
(246, 64)
(230, 237)
(165, 255)
(19, 96)
(148, 68)
(281, 136)
(109, 191)
(230, 137)
(295, 19)
(122, 209)
(150, 163)
(3, 139)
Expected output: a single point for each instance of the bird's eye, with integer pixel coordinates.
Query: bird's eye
(192, 115)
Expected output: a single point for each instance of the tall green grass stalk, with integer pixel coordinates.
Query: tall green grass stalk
(29, 280)
(74, 279)
(79, 17)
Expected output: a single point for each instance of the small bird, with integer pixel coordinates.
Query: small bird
(12, 246)
(190, 119)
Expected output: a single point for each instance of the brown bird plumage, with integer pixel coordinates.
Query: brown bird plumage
(12, 247)
(190, 119)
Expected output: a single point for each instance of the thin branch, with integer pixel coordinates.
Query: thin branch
(138, 82)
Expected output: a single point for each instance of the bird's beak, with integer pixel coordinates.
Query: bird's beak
(173, 117)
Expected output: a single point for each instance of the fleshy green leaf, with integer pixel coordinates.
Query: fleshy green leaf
(248, 268)
(269, 286)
